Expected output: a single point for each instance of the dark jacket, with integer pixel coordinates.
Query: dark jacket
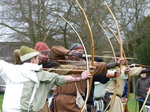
(141, 86)
(100, 78)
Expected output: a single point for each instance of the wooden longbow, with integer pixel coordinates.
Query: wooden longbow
(145, 99)
(120, 41)
(126, 110)
(92, 54)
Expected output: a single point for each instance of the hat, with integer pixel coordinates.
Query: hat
(17, 56)
(27, 53)
(96, 59)
(41, 47)
(76, 46)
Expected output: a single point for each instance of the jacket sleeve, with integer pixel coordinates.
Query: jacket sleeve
(137, 87)
(59, 52)
(51, 78)
(100, 68)
(135, 71)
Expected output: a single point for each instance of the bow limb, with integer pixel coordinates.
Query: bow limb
(50, 29)
(125, 61)
(121, 51)
(90, 33)
(145, 99)
(126, 109)
(112, 33)
(85, 51)
(92, 54)
(87, 65)
(109, 41)
(115, 60)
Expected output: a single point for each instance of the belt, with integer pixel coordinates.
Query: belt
(64, 94)
(108, 93)
(100, 98)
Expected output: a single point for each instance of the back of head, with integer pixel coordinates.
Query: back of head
(41, 47)
(17, 56)
(27, 53)
(76, 46)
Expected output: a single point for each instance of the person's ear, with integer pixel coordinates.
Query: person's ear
(33, 59)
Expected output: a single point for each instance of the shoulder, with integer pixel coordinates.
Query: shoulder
(139, 79)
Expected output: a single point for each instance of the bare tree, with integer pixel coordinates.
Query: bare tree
(30, 20)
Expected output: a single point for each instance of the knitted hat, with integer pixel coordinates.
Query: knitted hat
(76, 46)
(41, 47)
(17, 56)
(27, 53)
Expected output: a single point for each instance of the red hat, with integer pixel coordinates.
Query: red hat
(41, 47)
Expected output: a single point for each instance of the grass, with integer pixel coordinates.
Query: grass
(132, 104)
(1, 99)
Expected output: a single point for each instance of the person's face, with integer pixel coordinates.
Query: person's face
(45, 55)
(143, 75)
(76, 57)
(79, 51)
(43, 58)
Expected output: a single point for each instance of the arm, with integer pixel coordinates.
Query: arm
(115, 64)
(85, 75)
(59, 52)
(100, 68)
(113, 75)
(146, 70)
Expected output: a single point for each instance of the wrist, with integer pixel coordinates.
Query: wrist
(112, 65)
(81, 78)
(77, 78)
(69, 53)
(115, 74)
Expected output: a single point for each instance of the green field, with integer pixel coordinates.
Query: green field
(1, 99)
(132, 105)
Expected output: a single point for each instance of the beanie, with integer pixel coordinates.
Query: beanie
(41, 47)
(27, 53)
(17, 56)
(76, 46)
